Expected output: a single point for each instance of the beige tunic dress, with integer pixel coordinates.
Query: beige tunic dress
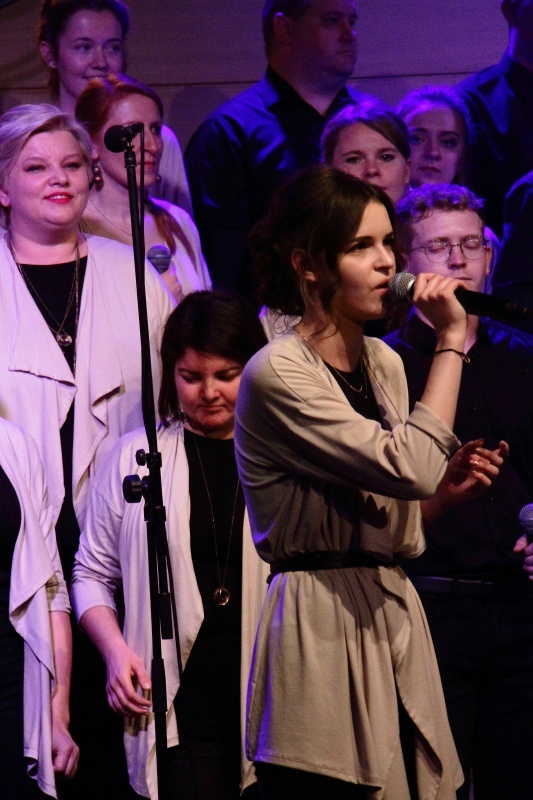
(335, 648)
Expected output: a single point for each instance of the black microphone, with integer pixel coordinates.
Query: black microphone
(477, 303)
(117, 137)
(525, 519)
(159, 257)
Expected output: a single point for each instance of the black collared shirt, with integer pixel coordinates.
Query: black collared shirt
(237, 159)
(500, 100)
(495, 402)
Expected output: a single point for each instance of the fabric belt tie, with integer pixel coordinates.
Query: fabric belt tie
(462, 587)
(308, 562)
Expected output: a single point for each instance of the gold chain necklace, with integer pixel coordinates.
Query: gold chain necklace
(63, 338)
(221, 595)
(363, 389)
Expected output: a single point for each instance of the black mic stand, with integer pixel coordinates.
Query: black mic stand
(150, 488)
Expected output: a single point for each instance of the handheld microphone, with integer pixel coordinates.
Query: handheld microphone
(477, 303)
(159, 257)
(117, 137)
(525, 519)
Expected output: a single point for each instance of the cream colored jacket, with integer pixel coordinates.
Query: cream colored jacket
(37, 387)
(334, 647)
(37, 588)
(113, 550)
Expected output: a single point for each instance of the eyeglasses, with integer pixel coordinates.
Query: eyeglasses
(439, 250)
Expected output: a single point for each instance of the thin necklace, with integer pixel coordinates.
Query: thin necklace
(109, 222)
(221, 595)
(63, 338)
(363, 389)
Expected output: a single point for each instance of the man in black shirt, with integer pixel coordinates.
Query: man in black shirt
(251, 144)
(500, 100)
(471, 579)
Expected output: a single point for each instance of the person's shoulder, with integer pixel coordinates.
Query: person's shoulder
(234, 109)
(506, 337)
(393, 338)
(169, 137)
(101, 245)
(179, 214)
(521, 187)
(262, 366)
(384, 360)
(121, 457)
(481, 81)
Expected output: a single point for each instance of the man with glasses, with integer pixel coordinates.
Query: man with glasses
(472, 578)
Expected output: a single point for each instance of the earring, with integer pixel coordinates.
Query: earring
(158, 179)
(98, 178)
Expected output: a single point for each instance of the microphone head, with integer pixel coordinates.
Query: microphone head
(117, 137)
(525, 518)
(159, 257)
(400, 287)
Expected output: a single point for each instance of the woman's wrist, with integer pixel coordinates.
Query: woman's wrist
(459, 353)
(451, 341)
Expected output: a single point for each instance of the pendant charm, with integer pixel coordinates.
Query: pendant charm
(63, 339)
(221, 596)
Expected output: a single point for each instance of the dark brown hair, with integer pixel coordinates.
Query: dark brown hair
(217, 323)
(317, 212)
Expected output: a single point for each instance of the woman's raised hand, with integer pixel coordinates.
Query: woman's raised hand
(470, 473)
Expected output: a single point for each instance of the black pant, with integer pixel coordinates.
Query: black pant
(282, 783)
(484, 649)
(205, 775)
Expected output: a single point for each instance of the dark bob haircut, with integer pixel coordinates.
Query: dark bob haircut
(317, 213)
(216, 323)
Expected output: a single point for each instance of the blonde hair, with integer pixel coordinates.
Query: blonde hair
(19, 124)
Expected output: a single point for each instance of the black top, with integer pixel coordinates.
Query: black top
(11, 645)
(500, 100)
(363, 402)
(51, 286)
(495, 402)
(208, 701)
(512, 278)
(237, 159)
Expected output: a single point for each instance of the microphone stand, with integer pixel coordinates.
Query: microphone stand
(134, 488)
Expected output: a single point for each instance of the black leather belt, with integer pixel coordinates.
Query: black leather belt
(307, 562)
(461, 587)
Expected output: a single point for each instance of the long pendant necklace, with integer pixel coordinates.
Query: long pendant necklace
(221, 595)
(63, 338)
